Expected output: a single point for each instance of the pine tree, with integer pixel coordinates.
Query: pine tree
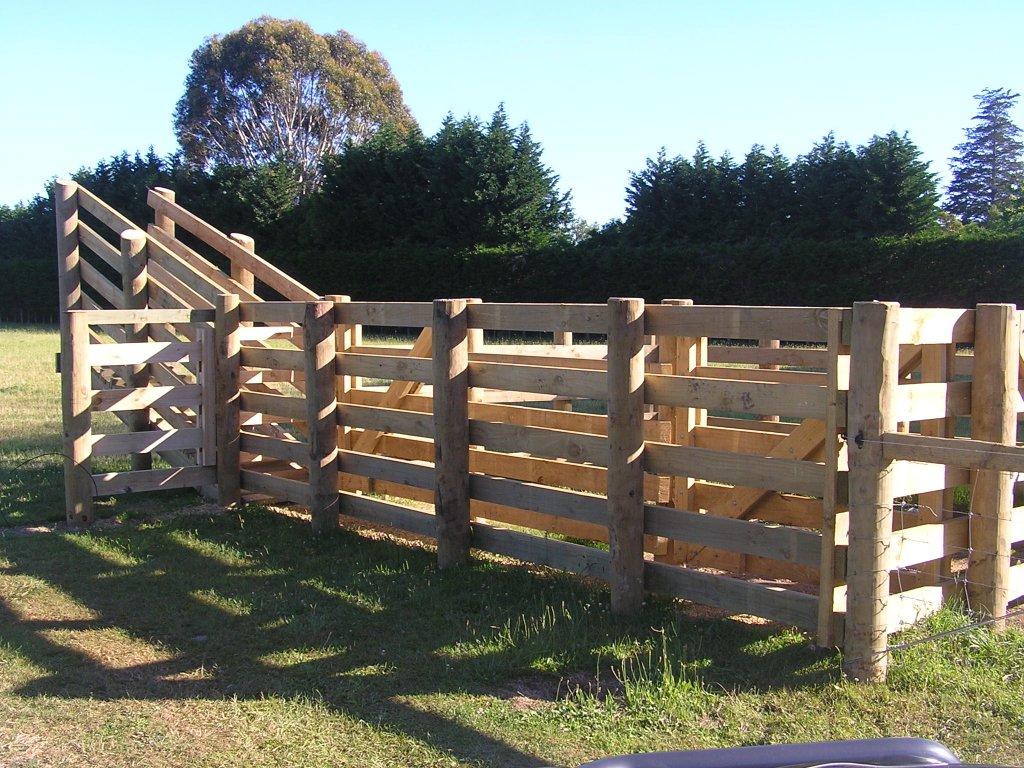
(899, 189)
(988, 170)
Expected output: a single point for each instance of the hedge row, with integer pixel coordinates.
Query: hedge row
(932, 270)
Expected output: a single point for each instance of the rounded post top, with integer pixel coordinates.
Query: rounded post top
(133, 236)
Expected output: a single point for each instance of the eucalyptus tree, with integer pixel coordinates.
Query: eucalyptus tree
(276, 91)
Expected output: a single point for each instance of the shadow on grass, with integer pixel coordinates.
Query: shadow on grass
(363, 624)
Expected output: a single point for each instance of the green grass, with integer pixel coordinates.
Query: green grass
(238, 639)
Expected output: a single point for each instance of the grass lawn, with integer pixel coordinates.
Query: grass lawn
(237, 639)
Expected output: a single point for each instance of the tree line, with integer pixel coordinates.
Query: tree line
(351, 196)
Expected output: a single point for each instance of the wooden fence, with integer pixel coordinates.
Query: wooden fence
(801, 468)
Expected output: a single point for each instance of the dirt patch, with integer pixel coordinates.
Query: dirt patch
(541, 692)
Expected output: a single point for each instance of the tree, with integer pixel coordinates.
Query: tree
(829, 190)
(900, 195)
(767, 193)
(988, 169)
(275, 91)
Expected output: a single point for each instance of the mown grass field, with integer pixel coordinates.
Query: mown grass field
(237, 639)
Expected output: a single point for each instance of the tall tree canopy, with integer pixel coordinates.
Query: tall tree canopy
(472, 183)
(988, 169)
(275, 91)
(832, 192)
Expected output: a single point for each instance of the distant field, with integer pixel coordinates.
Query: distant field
(237, 640)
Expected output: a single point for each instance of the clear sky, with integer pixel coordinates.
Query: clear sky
(603, 85)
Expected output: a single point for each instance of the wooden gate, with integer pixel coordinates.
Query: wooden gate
(162, 391)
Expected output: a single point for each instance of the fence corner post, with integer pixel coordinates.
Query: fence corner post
(874, 374)
(625, 453)
(69, 276)
(228, 344)
(451, 430)
(993, 418)
(76, 399)
(240, 274)
(321, 403)
(135, 286)
(161, 220)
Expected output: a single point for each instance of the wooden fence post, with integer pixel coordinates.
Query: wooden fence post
(321, 404)
(240, 275)
(874, 373)
(451, 431)
(769, 344)
(562, 338)
(134, 283)
(76, 386)
(344, 340)
(228, 343)
(475, 341)
(625, 453)
(69, 277)
(686, 354)
(162, 221)
(994, 418)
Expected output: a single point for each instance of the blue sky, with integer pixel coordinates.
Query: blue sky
(603, 85)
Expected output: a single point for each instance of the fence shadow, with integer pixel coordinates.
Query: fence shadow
(362, 623)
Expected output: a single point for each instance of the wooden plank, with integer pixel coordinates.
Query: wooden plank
(405, 314)
(135, 399)
(905, 609)
(795, 400)
(954, 451)
(106, 289)
(280, 488)
(754, 471)
(759, 374)
(288, 450)
(419, 369)
(931, 541)
(143, 352)
(279, 281)
(552, 443)
(567, 382)
(196, 262)
(773, 541)
(397, 389)
(88, 237)
(274, 312)
(578, 318)
(386, 420)
(207, 378)
(803, 358)
(182, 290)
(275, 405)
(738, 322)
(741, 597)
(146, 442)
(148, 316)
(993, 419)
(540, 550)
(754, 442)
(1015, 582)
(451, 430)
(388, 513)
(539, 498)
(319, 352)
(910, 478)
(799, 445)
(384, 468)
(936, 326)
(273, 358)
(874, 373)
(114, 483)
(225, 330)
(107, 215)
(932, 400)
